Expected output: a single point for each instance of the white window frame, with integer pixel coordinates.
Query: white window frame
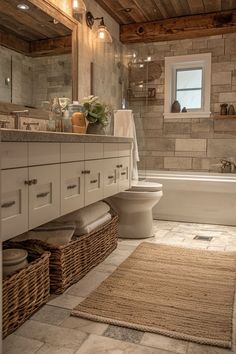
(195, 61)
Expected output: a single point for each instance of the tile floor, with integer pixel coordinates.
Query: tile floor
(52, 331)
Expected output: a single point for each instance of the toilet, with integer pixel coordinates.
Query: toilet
(134, 208)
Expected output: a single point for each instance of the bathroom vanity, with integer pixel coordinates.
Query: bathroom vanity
(47, 175)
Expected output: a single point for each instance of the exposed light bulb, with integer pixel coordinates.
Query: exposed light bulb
(149, 58)
(78, 6)
(103, 34)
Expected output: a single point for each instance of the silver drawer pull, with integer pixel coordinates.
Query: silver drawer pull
(73, 186)
(86, 172)
(8, 204)
(121, 166)
(94, 181)
(34, 181)
(42, 195)
(123, 173)
(110, 177)
(28, 183)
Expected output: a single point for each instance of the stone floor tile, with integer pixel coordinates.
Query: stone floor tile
(116, 258)
(62, 337)
(105, 268)
(51, 315)
(19, 345)
(102, 345)
(85, 325)
(51, 349)
(65, 301)
(206, 349)
(163, 342)
(216, 248)
(132, 242)
(124, 334)
(87, 284)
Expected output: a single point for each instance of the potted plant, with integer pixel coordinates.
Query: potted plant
(98, 114)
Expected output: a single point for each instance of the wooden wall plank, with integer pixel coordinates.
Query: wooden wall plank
(12, 42)
(180, 28)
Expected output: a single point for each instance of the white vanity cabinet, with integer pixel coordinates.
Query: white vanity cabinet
(44, 194)
(43, 181)
(93, 181)
(72, 186)
(14, 202)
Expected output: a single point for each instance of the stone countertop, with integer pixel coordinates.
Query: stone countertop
(52, 137)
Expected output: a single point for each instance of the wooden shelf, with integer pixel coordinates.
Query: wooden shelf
(229, 116)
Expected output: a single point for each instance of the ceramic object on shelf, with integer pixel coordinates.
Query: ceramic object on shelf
(95, 128)
(231, 110)
(78, 130)
(223, 109)
(184, 110)
(175, 108)
(13, 259)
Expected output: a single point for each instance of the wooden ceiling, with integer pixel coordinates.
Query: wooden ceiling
(32, 32)
(137, 11)
(30, 25)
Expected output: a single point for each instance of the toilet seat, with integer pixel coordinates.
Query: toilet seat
(143, 186)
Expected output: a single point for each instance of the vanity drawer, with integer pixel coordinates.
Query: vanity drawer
(110, 150)
(93, 151)
(72, 152)
(43, 153)
(14, 155)
(124, 149)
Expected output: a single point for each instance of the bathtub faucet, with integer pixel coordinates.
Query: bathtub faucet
(228, 166)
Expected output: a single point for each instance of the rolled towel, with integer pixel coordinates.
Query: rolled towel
(87, 215)
(54, 233)
(91, 227)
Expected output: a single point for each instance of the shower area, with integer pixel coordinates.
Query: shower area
(184, 154)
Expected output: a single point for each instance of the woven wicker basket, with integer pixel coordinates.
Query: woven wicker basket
(71, 262)
(26, 290)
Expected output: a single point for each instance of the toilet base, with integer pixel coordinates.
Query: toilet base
(143, 222)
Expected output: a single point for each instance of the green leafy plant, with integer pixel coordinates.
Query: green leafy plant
(95, 111)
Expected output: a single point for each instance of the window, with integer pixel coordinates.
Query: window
(188, 79)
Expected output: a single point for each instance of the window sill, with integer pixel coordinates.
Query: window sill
(182, 115)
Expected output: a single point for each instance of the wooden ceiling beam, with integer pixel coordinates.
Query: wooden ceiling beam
(180, 28)
(12, 42)
(55, 46)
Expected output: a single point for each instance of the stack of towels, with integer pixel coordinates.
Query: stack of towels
(80, 222)
(89, 218)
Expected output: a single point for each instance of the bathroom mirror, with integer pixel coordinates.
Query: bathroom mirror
(38, 54)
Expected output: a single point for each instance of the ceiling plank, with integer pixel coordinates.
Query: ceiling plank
(180, 28)
(196, 7)
(212, 5)
(228, 4)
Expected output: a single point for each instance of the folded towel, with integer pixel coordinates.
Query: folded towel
(53, 232)
(91, 227)
(87, 215)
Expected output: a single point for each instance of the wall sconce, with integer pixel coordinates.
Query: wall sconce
(102, 33)
(78, 8)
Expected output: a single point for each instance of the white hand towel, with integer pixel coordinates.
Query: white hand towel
(124, 126)
(87, 215)
(53, 232)
(89, 228)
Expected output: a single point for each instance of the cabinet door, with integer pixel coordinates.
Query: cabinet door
(72, 186)
(124, 173)
(44, 194)
(110, 177)
(14, 202)
(93, 181)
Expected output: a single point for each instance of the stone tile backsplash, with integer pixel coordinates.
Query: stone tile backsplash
(187, 144)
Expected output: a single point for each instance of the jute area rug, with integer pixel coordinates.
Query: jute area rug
(179, 292)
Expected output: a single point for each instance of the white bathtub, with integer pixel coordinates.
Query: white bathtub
(195, 196)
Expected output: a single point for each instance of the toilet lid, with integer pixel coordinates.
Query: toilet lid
(146, 186)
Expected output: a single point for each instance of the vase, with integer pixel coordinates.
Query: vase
(95, 128)
(175, 108)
